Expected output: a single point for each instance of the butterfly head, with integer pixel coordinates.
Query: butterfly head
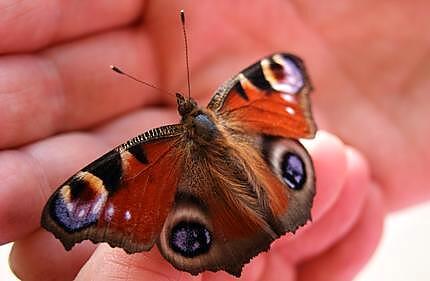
(185, 105)
(200, 125)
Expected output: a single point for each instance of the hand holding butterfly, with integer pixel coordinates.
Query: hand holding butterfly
(55, 91)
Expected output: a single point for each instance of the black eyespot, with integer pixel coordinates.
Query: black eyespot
(293, 170)
(190, 239)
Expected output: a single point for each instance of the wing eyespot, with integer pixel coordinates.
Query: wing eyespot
(283, 74)
(78, 204)
(289, 161)
(190, 239)
(293, 170)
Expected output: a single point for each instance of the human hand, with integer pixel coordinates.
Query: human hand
(75, 100)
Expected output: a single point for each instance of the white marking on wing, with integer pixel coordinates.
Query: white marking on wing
(289, 98)
(290, 110)
(110, 212)
(293, 78)
(81, 213)
(127, 215)
(99, 203)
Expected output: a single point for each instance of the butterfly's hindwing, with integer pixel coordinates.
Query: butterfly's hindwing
(234, 202)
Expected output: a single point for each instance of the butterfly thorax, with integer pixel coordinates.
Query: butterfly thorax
(199, 123)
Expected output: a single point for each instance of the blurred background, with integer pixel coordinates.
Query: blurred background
(363, 41)
(401, 255)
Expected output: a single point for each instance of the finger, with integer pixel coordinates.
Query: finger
(26, 185)
(40, 257)
(344, 260)
(330, 164)
(278, 269)
(72, 87)
(114, 264)
(108, 263)
(133, 124)
(321, 234)
(253, 271)
(28, 176)
(32, 24)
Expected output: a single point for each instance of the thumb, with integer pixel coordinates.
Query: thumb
(114, 264)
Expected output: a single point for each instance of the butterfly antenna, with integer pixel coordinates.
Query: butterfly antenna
(117, 70)
(186, 52)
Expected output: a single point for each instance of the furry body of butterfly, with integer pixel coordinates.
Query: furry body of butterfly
(212, 191)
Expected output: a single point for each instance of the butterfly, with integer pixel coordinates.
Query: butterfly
(211, 192)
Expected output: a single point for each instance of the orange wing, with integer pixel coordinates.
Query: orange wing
(122, 198)
(270, 97)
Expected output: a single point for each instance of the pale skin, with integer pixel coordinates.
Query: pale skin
(61, 107)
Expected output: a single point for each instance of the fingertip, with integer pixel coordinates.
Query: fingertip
(345, 259)
(357, 164)
(330, 163)
(322, 138)
(17, 170)
(279, 268)
(40, 257)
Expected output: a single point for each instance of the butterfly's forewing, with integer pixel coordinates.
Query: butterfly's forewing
(269, 97)
(123, 197)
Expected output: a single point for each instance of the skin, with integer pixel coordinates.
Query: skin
(61, 107)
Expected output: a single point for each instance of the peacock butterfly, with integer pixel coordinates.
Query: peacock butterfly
(214, 190)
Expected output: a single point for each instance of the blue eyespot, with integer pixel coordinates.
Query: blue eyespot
(190, 239)
(293, 170)
(73, 220)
